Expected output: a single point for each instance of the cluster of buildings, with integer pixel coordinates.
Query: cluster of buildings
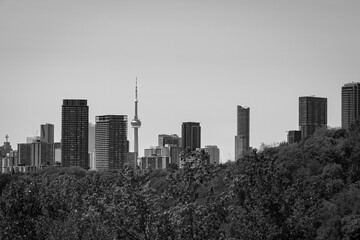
(105, 145)
(312, 116)
(313, 112)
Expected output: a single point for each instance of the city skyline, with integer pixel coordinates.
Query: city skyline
(195, 61)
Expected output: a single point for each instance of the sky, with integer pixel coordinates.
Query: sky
(195, 60)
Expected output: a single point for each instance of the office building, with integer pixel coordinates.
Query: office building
(131, 159)
(24, 154)
(191, 135)
(9, 163)
(165, 139)
(350, 104)
(111, 145)
(312, 115)
(242, 138)
(42, 154)
(154, 162)
(47, 133)
(36, 154)
(75, 133)
(293, 136)
(214, 154)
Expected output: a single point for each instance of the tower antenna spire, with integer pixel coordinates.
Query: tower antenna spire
(136, 124)
(136, 92)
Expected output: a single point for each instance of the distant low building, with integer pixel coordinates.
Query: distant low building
(154, 162)
(6, 148)
(191, 135)
(294, 136)
(214, 153)
(166, 139)
(131, 159)
(57, 149)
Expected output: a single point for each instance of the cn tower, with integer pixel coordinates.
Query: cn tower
(136, 124)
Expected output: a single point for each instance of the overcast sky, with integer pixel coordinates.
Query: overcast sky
(195, 61)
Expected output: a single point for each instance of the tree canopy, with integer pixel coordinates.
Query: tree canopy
(305, 190)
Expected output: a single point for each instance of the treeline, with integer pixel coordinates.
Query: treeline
(307, 190)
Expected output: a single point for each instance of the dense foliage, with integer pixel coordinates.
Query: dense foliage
(306, 190)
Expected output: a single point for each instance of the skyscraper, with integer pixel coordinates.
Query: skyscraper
(242, 139)
(111, 141)
(191, 135)
(74, 133)
(47, 133)
(136, 124)
(350, 104)
(312, 114)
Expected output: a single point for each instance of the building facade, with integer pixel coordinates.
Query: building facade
(165, 139)
(294, 136)
(6, 148)
(350, 104)
(214, 154)
(191, 135)
(111, 145)
(154, 162)
(312, 115)
(242, 138)
(47, 133)
(74, 133)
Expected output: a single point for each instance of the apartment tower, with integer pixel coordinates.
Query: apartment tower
(74, 133)
(111, 144)
(312, 114)
(242, 139)
(350, 104)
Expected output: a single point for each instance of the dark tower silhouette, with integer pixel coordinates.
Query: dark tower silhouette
(191, 135)
(74, 133)
(350, 104)
(312, 114)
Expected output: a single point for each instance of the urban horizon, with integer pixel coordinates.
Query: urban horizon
(195, 61)
(142, 152)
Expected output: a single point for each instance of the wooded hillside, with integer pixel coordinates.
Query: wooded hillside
(307, 190)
